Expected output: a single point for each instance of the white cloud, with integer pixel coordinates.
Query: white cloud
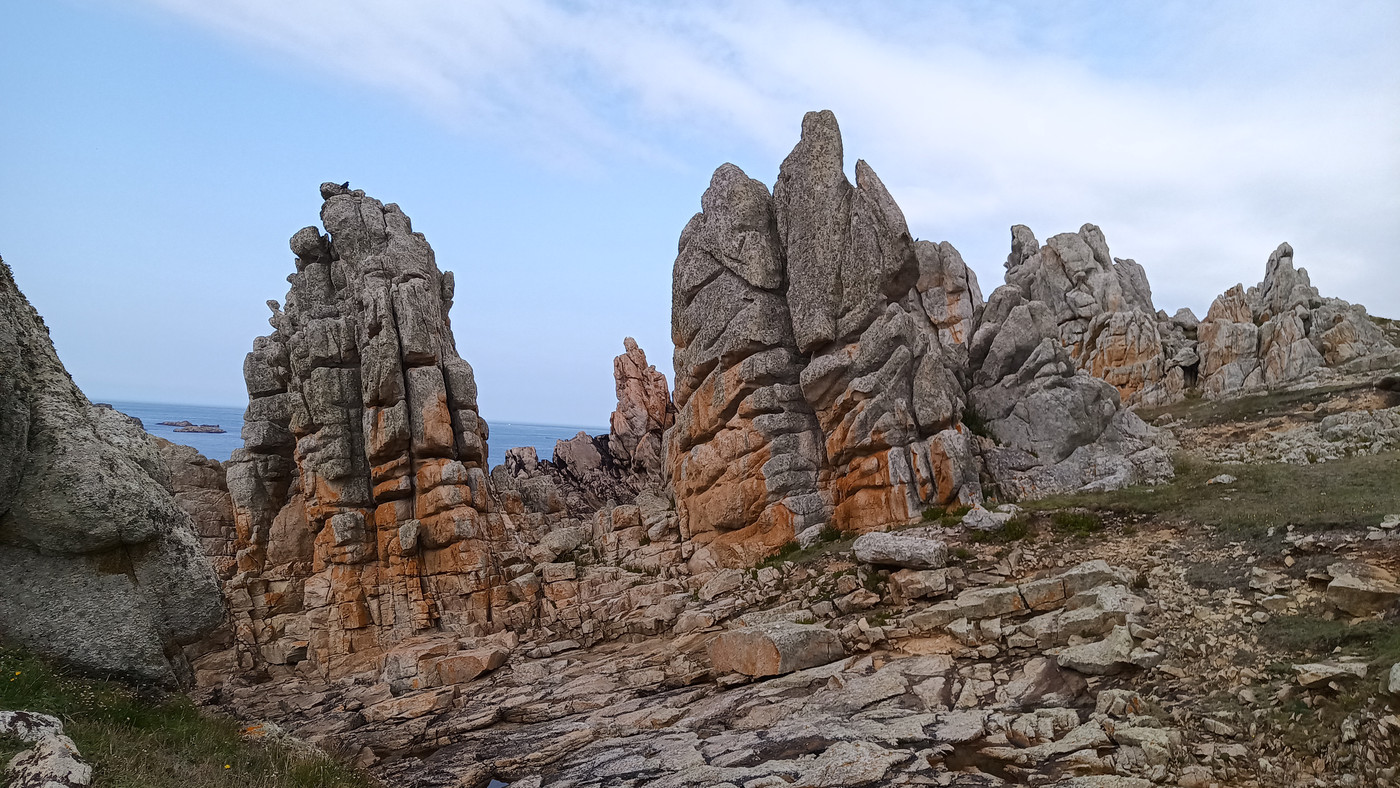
(1198, 135)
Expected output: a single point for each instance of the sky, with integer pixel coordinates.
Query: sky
(156, 155)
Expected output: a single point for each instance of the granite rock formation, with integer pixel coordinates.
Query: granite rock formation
(1101, 311)
(361, 504)
(1283, 330)
(644, 413)
(1059, 348)
(813, 382)
(370, 536)
(825, 359)
(99, 565)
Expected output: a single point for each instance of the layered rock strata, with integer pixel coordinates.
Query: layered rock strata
(100, 567)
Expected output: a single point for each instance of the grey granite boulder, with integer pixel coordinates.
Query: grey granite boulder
(99, 565)
(53, 760)
(910, 552)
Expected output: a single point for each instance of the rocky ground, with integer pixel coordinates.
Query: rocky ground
(1068, 646)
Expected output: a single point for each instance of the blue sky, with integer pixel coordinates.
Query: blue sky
(155, 156)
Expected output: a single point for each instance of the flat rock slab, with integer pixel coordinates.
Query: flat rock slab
(1105, 657)
(774, 649)
(910, 552)
(1319, 672)
(1360, 589)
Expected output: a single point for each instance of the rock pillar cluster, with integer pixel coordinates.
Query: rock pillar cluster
(1281, 331)
(362, 509)
(816, 356)
(832, 370)
(644, 412)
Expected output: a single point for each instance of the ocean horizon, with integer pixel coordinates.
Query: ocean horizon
(219, 446)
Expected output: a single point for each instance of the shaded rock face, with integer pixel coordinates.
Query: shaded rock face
(1281, 331)
(1059, 347)
(99, 565)
(811, 376)
(363, 512)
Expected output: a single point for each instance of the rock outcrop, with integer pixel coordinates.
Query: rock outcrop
(368, 530)
(99, 565)
(644, 413)
(812, 380)
(51, 762)
(362, 506)
(1099, 309)
(1283, 330)
(825, 360)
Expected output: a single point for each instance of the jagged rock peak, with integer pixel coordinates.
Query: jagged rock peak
(644, 411)
(1282, 331)
(362, 474)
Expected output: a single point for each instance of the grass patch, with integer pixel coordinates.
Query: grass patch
(137, 739)
(1349, 492)
(1013, 530)
(1378, 641)
(1197, 412)
(1077, 523)
(831, 540)
(946, 517)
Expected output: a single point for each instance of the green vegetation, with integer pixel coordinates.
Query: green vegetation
(1340, 493)
(875, 582)
(975, 424)
(1309, 637)
(1076, 522)
(946, 517)
(1377, 641)
(959, 555)
(831, 540)
(137, 739)
(1198, 412)
(1013, 530)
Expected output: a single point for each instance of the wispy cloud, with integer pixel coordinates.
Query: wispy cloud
(1199, 135)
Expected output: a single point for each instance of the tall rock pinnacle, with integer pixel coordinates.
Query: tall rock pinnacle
(362, 478)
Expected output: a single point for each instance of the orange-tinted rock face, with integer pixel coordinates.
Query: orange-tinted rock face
(644, 412)
(810, 357)
(362, 509)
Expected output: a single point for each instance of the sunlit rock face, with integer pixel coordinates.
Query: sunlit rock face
(1282, 331)
(824, 360)
(362, 510)
(644, 412)
(811, 375)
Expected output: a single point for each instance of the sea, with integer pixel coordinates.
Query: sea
(219, 446)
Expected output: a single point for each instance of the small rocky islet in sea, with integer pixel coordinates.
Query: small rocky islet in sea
(882, 531)
(186, 426)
